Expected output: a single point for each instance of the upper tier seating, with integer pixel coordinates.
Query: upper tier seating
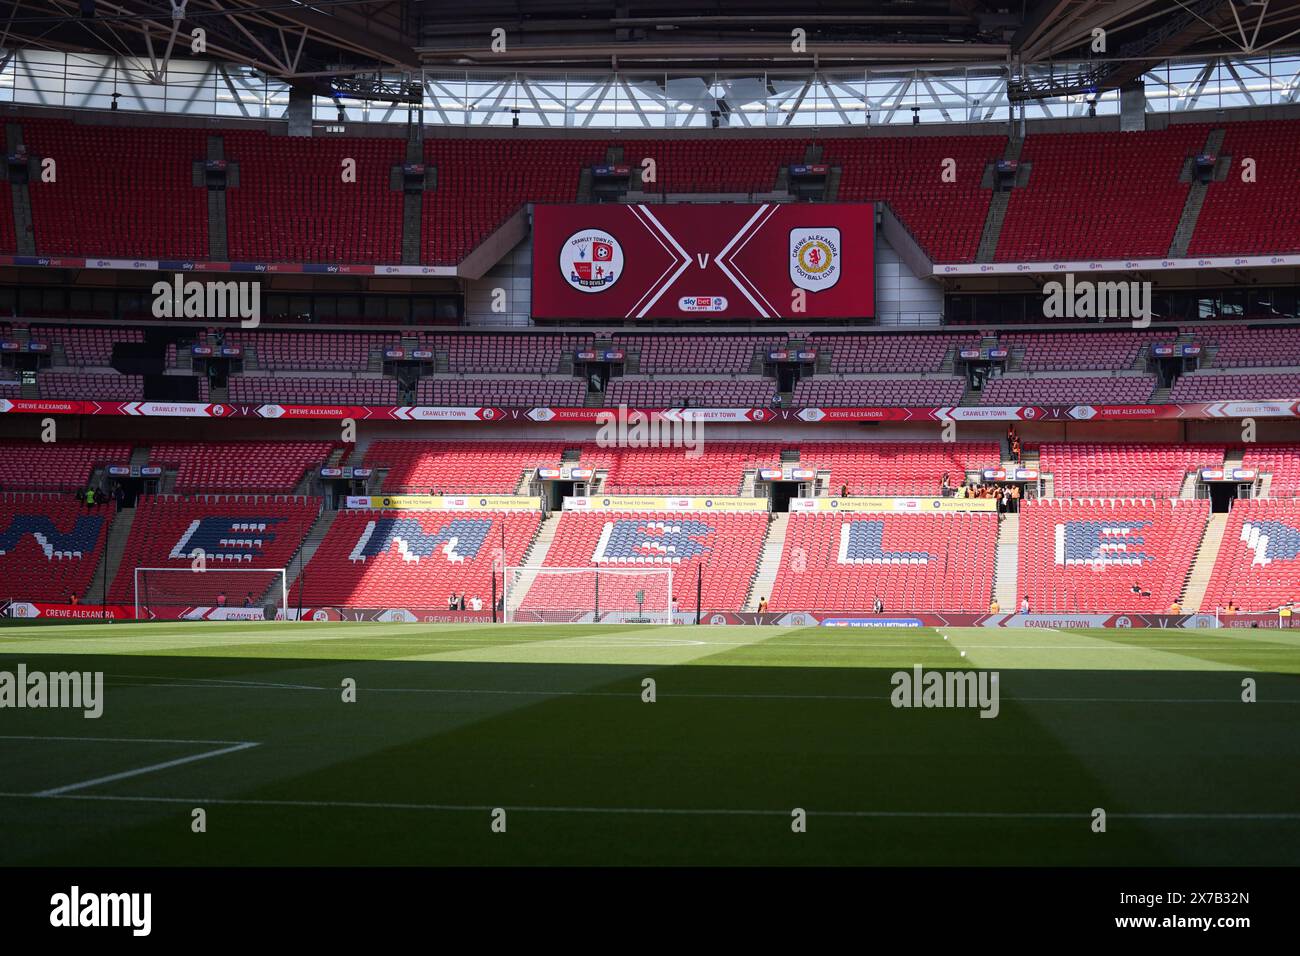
(1085, 556)
(1142, 469)
(240, 465)
(124, 192)
(231, 531)
(1249, 218)
(726, 546)
(946, 218)
(939, 562)
(1099, 195)
(404, 559)
(482, 182)
(292, 204)
(65, 465)
(50, 546)
(1258, 564)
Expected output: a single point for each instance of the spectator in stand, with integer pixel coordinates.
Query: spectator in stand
(476, 603)
(451, 601)
(1015, 499)
(762, 605)
(994, 607)
(460, 603)
(248, 599)
(1024, 604)
(878, 606)
(945, 486)
(221, 599)
(72, 597)
(844, 491)
(1175, 607)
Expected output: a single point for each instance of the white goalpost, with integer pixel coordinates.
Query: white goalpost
(215, 594)
(588, 595)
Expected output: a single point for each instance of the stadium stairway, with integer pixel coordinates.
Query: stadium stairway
(1007, 563)
(769, 561)
(111, 560)
(1198, 581)
(1195, 199)
(321, 527)
(534, 558)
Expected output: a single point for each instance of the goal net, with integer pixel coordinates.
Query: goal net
(582, 595)
(214, 594)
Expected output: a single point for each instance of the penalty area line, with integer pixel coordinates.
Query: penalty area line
(139, 771)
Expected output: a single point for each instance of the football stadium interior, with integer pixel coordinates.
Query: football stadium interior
(892, 334)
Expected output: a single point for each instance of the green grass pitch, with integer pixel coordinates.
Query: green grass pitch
(548, 724)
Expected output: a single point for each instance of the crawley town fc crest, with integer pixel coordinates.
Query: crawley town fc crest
(814, 258)
(591, 260)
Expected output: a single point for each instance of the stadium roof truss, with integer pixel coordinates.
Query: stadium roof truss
(654, 64)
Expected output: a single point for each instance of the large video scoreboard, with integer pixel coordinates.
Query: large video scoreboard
(704, 261)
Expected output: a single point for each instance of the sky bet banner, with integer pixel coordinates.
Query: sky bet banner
(704, 261)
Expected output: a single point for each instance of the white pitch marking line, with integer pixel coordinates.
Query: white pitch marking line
(151, 768)
(716, 696)
(122, 740)
(662, 811)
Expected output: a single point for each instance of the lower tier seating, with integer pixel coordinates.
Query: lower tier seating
(1087, 555)
(935, 562)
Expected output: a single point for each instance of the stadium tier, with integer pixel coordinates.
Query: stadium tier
(412, 558)
(1083, 195)
(90, 386)
(437, 467)
(889, 353)
(265, 466)
(1237, 218)
(1136, 468)
(356, 389)
(1061, 390)
(1089, 555)
(879, 391)
(1258, 564)
(741, 391)
(727, 546)
(57, 466)
(294, 202)
(232, 532)
(1215, 386)
(138, 180)
(50, 547)
(522, 392)
(936, 562)
(895, 468)
(1099, 195)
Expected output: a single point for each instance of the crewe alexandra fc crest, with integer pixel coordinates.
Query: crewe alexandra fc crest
(591, 260)
(815, 258)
